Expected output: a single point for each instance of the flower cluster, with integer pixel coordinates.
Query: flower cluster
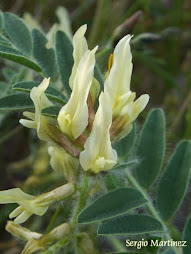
(81, 135)
(79, 130)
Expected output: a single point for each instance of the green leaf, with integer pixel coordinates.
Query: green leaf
(18, 32)
(4, 41)
(64, 50)
(132, 224)
(112, 181)
(125, 145)
(174, 181)
(16, 102)
(8, 73)
(16, 56)
(51, 92)
(3, 89)
(51, 111)
(116, 202)
(45, 57)
(187, 237)
(151, 148)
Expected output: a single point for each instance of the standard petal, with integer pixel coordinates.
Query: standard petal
(13, 195)
(118, 80)
(80, 47)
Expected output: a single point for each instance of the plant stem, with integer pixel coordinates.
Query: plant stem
(81, 202)
(150, 206)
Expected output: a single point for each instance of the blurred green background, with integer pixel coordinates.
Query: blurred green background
(161, 49)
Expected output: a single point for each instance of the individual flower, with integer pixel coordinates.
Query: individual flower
(98, 154)
(29, 204)
(38, 121)
(73, 117)
(117, 85)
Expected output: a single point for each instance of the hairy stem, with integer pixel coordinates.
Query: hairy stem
(150, 206)
(81, 202)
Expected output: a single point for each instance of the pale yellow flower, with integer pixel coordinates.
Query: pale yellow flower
(29, 204)
(38, 121)
(117, 85)
(73, 117)
(99, 154)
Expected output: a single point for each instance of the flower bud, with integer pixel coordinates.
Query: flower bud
(21, 232)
